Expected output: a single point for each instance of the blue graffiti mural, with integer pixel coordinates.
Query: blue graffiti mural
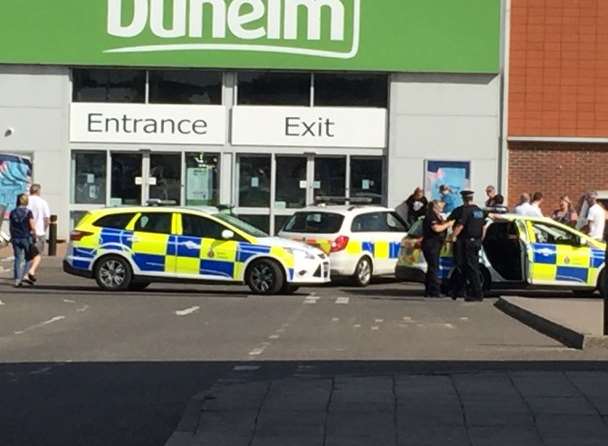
(15, 178)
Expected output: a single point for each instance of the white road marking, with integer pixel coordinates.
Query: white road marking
(464, 318)
(40, 325)
(357, 326)
(375, 328)
(342, 300)
(259, 350)
(274, 336)
(246, 368)
(335, 319)
(408, 319)
(82, 309)
(378, 321)
(311, 300)
(450, 326)
(69, 301)
(187, 311)
(2, 303)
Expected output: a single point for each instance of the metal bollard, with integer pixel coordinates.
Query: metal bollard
(53, 236)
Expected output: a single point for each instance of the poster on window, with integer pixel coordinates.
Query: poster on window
(15, 179)
(456, 175)
(199, 185)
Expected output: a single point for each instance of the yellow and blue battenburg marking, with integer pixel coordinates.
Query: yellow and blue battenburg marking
(179, 254)
(565, 263)
(379, 249)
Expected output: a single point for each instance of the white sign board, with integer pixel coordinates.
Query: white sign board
(309, 127)
(148, 123)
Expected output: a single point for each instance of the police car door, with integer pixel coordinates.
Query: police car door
(558, 256)
(380, 234)
(151, 243)
(201, 250)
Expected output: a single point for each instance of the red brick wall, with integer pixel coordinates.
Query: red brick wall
(559, 68)
(556, 169)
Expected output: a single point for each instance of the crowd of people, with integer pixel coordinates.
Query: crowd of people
(467, 221)
(28, 225)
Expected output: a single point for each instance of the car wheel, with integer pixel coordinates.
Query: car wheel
(139, 286)
(363, 272)
(603, 285)
(113, 273)
(265, 277)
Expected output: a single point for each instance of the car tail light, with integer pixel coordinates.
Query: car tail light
(76, 236)
(339, 244)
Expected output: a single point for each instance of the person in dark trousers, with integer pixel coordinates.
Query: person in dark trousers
(434, 232)
(22, 227)
(468, 234)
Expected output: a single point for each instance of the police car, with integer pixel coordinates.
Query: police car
(361, 241)
(520, 252)
(128, 248)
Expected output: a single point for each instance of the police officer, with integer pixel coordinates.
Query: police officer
(434, 231)
(468, 232)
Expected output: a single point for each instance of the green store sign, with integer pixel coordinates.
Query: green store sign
(377, 35)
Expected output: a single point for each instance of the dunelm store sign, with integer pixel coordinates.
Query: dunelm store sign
(458, 36)
(273, 26)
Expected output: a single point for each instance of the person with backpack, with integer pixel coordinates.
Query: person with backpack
(27, 257)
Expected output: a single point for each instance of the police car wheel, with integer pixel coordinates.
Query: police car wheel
(265, 277)
(363, 272)
(113, 273)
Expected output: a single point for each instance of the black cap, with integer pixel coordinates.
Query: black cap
(467, 193)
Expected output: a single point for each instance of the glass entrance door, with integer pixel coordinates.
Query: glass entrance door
(143, 176)
(164, 178)
(127, 180)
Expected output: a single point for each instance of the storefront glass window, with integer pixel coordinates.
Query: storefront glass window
(185, 87)
(291, 182)
(366, 178)
(202, 179)
(165, 178)
(254, 181)
(268, 88)
(351, 90)
(89, 177)
(93, 85)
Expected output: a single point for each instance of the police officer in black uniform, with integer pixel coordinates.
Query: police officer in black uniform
(434, 232)
(468, 232)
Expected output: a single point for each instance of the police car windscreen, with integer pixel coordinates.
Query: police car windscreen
(314, 223)
(242, 225)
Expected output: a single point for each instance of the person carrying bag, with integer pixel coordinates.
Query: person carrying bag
(27, 256)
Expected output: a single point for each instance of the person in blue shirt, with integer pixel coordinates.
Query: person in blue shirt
(21, 226)
(451, 200)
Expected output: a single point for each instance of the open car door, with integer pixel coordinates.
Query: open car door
(557, 255)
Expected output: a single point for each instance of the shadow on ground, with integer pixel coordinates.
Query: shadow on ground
(140, 404)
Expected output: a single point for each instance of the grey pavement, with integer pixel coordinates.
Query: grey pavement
(469, 409)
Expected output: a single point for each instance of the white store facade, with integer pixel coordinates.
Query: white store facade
(266, 132)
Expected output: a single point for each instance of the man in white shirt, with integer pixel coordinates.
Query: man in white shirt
(596, 218)
(525, 208)
(42, 216)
